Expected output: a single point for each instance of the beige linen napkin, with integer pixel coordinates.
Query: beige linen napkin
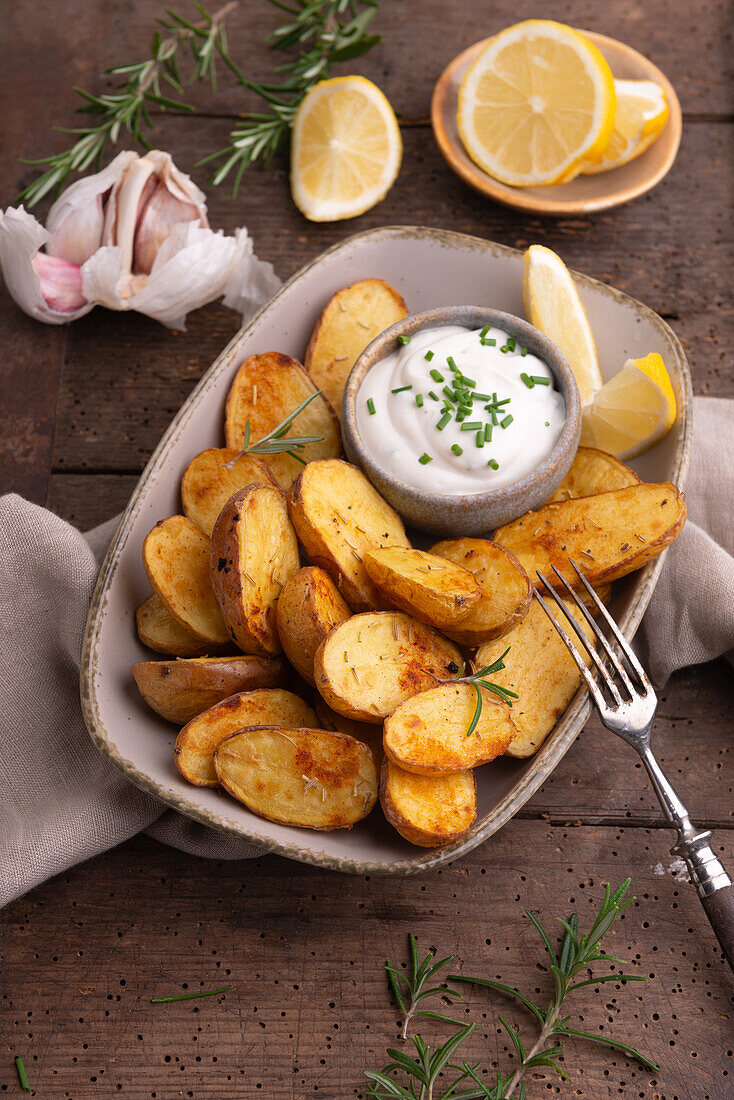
(62, 802)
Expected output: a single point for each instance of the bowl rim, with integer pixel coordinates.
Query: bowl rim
(387, 341)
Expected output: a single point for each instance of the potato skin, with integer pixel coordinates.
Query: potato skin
(312, 778)
(432, 589)
(338, 516)
(371, 663)
(265, 390)
(594, 471)
(209, 481)
(193, 751)
(252, 531)
(607, 535)
(427, 734)
(349, 321)
(158, 630)
(361, 731)
(179, 690)
(428, 811)
(176, 560)
(308, 607)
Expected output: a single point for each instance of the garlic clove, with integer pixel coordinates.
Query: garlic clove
(76, 219)
(46, 287)
(61, 282)
(160, 214)
(123, 205)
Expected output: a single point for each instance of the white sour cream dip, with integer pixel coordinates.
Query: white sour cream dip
(478, 413)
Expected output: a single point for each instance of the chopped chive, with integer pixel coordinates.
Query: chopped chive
(527, 380)
(493, 414)
(433, 396)
(436, 375)
(472, 426)
(507, 421)
(425, 459)
(444, 421)
(461, 415)
(493, 464)
(481, 396)
(457, 450)
(523, 352)
(539, 380)
(488, 433)
(504, 349)
(429, 355)
(403, 340)
(419, 400)
(484, 331)
(467, 382)
(547, 423)
(189, 996)
(22, 1075)
(480, 438)
(448, 405)
(488, 343)
(511, 343)
(370, 406)
(400, 389)
(451, 394)
(451, 362)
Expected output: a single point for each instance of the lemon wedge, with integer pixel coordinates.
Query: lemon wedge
(536, 104)
(640, 116)
(553, 305)
(345, 149)
(633, 411)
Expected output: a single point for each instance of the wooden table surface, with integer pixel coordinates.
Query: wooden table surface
(83, 408)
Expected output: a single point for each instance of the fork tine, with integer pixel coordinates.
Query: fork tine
(590, 649)
(619, 636)
(601, 637)
(582, 666)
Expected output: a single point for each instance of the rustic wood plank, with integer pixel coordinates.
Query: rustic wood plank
(304, 951)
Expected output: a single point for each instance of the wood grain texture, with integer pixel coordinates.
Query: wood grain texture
(82, 410)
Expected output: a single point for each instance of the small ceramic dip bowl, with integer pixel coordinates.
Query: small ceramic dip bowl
(465, 513)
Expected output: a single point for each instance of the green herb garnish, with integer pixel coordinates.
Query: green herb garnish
(419, 400)
(484, 331)
(400, 389)
(436, 375)
(429, 355)
(523, 352)
(540, 380)
(472, 426)
(403, 340)
(507, 421)
(433, 396)
(189, 996)
(488, 433)
(488, 343)
(527, 380)
(370, 406)
(274, 442)
(493, 464)
(23, 1076)
(511, 343)
(425, 459)
(443, 421)
(451, 363)
(457, 450)
(480, 438)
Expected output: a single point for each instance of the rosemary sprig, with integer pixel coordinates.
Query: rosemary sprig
(127, 107)
(479, 680)
(410, 989)
(190, 996)
(274, 442)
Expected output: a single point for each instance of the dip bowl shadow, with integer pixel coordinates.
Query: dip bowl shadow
(456, 514)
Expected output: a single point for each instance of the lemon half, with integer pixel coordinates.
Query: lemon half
(345, 149)
(640, 116)
(633, 411)
(536, 104)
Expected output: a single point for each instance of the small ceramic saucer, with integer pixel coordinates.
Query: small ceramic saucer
(585, 194)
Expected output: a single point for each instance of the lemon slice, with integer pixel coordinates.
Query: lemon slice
(553, 305)
(536, 104)
(633, 411)
(345, 149)
(640, 116)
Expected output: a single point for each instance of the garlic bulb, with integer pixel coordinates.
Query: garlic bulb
(133, 236)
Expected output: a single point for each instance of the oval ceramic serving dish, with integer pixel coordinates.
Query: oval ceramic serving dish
(430, 268)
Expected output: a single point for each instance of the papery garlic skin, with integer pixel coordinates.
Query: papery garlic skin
(76, 220)
(21, 237)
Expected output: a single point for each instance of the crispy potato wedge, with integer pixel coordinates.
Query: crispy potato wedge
(362, 731)
(353, 317)
(427, 734)
(506, 591)
(196, 742)
(176, 559)
(253, 553)
(371, 663)
(428, 810)
(308, 607)
(317, 779)
(608, 535)
(594, 472)
(542, 672)
(212, 477)
(266, 389)
(338, 516)
(179, 690)
(158, 629)
(432, 589)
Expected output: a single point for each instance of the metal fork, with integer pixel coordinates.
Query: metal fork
(629, 711)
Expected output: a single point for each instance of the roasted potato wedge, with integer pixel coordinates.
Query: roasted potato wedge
(362, 731)
(594, 472)
(179, 690)
(371, 663)
(428, 810)
(176, 559)
(353, 317)
(506, 591)
(317, 779)
(253, 553)
(308, 607)
(608, 535)
(266, 389)
(196, 742)
(212, 477)
(338, 516)
(427, 734)
(158, 629)
(432, 589)
(540, 670)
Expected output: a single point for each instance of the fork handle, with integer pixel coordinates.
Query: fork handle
(720, 912)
